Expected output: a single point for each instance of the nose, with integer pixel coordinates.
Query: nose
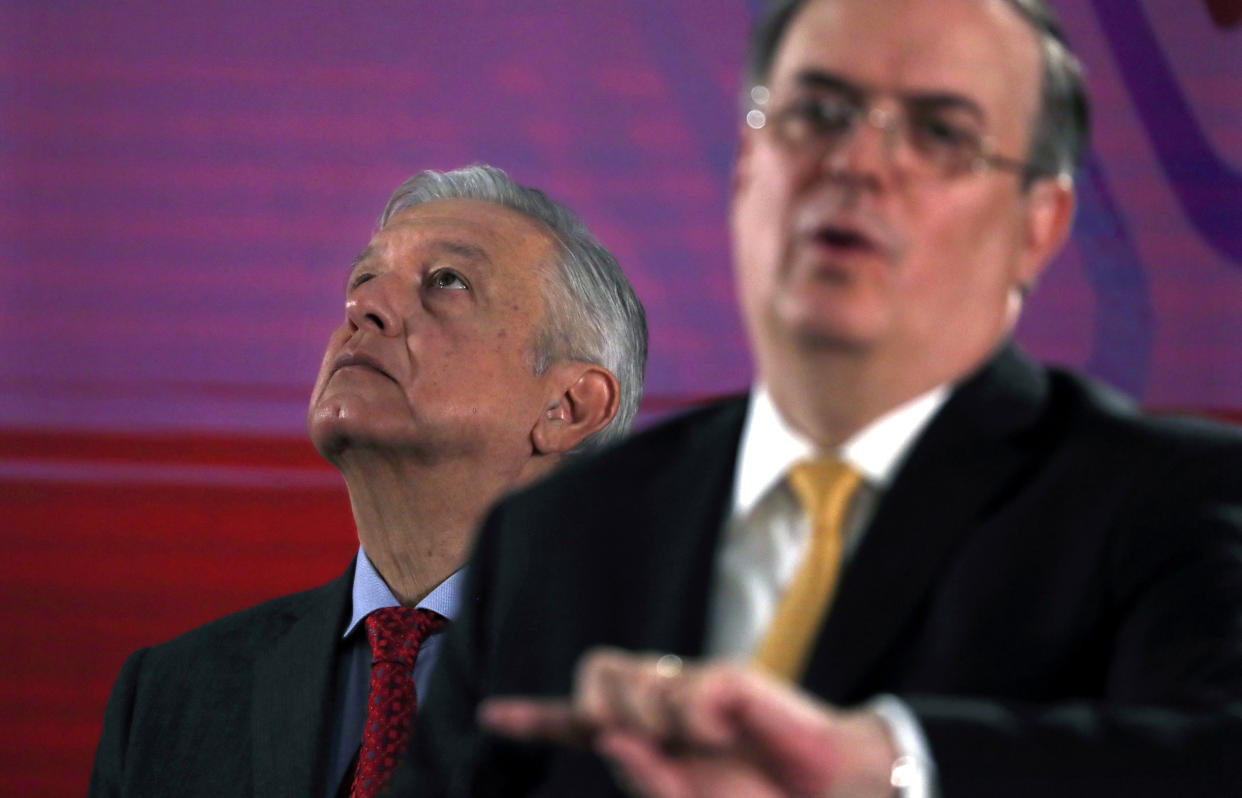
(372, 306)
(869, 152)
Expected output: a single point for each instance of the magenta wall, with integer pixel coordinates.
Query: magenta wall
(183, 187)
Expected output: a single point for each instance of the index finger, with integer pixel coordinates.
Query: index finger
(535, 720)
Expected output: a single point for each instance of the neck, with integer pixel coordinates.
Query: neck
(830, 395)
(417, 523)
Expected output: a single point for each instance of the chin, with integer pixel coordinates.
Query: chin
(329, 442)
(828, 328)
(331, 428)
(822, 340)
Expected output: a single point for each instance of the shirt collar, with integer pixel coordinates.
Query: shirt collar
(371, 593)
(769, 446)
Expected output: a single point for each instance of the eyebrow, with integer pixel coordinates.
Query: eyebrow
(362, 256)
(461, 249)
(819, 79)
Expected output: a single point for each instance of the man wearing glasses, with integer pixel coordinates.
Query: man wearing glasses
(1016, 583)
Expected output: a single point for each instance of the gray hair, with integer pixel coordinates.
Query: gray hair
(1063, 123)
(593, 312)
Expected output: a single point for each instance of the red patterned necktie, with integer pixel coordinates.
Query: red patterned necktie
(395, 634)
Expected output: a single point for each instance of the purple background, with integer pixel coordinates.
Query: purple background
(182, 189)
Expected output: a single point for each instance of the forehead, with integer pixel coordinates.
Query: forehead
(980, 49)
(470, 229)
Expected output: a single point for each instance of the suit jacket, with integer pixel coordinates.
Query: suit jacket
(240, 707)
(1052, 582)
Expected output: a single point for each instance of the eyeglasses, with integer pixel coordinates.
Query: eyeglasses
(943, 139)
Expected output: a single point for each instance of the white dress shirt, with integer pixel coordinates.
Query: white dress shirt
(766, 534)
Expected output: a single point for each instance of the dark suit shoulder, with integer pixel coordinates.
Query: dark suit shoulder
(239, 635)
(260, 621)
(1099, 415)
(1158, 482)
(1048, 409)
(186, 717)
(638, 520)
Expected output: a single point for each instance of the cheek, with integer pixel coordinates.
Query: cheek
(511, 365)
(335, 341)
(761, 219)
(968, 242)
(766, 193)
(960, 271)
(475, 366)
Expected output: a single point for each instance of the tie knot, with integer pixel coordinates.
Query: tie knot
(396, 633)
(823, 485)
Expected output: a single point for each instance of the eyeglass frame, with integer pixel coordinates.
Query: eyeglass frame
(892, 125)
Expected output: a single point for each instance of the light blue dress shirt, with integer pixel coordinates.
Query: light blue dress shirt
(353, 680)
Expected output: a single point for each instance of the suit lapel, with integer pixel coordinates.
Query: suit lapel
(684, 509)
(293, 696)
(967, 457)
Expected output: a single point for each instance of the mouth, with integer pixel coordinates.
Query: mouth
(841, 239)
(348, 360)
(833, 227)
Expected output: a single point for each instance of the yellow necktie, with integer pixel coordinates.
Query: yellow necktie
(824, 489)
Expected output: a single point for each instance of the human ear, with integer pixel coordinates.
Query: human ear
(585, 400)
(1049, 214)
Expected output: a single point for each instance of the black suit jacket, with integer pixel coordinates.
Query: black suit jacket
(240, 707)
(1052, 582)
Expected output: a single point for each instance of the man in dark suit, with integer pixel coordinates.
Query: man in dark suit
(487, 335)
(1016, 583)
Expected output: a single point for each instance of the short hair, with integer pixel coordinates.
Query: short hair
(593, 314)
(1063, 123)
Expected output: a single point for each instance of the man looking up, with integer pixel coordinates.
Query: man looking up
(1047, 581)
(487, 335)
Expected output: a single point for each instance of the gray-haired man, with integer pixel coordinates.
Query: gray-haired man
(487, 335)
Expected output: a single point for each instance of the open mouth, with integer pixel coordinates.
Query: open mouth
(843, 239)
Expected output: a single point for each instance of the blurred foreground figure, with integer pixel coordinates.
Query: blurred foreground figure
(1016, 583)
(487, 335)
